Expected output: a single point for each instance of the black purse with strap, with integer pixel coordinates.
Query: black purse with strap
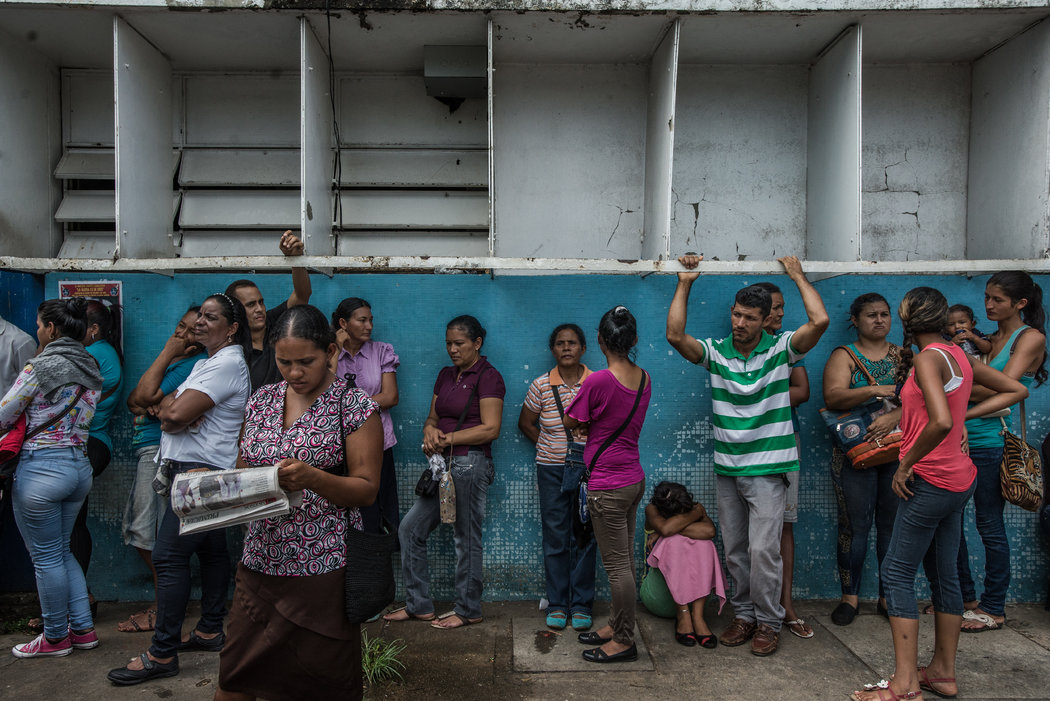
(574, 465)
(582, 527)
(369, 585)
(426, 485)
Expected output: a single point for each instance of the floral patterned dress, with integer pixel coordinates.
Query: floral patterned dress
(310, 540)
(288, 631)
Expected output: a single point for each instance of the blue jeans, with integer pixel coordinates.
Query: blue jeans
(49, 487)
(927, 530)
(988, 503)
(171, 558)
(569, 569)
(751, 521)
(863, 496)
(472, 474)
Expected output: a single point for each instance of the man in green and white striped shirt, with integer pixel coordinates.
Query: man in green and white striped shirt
(754, 440)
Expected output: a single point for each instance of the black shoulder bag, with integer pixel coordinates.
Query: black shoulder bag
(582, 527)
(369, 575)
(573, 470)
(426, 485)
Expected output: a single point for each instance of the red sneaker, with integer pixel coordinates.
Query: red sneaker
(42, 647)
(83, 641)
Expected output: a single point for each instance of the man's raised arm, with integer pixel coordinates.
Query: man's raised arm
(809, 333)
(689, 348)
(291, 245)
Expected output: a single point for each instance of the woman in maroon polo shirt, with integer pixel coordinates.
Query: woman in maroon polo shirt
(465, 416)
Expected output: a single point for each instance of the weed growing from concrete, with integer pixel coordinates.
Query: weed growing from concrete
(379, 659)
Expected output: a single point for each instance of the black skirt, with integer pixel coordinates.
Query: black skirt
(288, 639)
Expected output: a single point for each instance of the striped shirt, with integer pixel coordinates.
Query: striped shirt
(751, 406)
(552, 443)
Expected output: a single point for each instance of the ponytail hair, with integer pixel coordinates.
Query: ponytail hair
(1017, 285)
(618, 330)
(923, 310)
(108, 320)
(68, 315)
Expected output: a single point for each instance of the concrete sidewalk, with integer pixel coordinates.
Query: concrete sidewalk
(511, 655)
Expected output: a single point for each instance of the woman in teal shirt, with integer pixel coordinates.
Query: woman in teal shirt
(1015, 303)
(103, 343)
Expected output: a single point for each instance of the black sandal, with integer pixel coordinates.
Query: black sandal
(122, 676)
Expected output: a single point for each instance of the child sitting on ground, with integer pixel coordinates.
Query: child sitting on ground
(962, 328)
(681, 536)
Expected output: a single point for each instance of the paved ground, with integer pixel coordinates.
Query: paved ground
(511, 656)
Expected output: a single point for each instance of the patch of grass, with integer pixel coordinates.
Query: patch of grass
(379, 659)
(16, 625)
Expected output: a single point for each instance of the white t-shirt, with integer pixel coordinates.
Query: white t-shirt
(224, 378)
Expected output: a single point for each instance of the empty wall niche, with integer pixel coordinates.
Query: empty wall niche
(748, 173)
(569, 118)
(1008, 213)
(914, 156)
(240, 171)
(413, 134)
(57, 187)
(954, 111)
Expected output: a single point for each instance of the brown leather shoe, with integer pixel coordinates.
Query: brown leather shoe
(765, 642)
(738, 633)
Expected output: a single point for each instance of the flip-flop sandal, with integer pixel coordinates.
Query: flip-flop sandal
(883, 692)
(927, 684)
(136, 627)
(988, 622)
(463, 621)
(800, 628)
(408, 616)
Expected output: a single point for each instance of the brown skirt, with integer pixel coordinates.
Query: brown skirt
(288, 639)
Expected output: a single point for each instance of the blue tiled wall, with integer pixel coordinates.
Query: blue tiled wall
(519, 312)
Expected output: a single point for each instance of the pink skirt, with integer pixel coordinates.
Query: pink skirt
(690, 568)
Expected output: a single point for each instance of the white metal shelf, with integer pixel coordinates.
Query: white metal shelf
(495, 265)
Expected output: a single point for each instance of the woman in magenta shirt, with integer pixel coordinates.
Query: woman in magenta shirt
(609, 405)
(934, 480)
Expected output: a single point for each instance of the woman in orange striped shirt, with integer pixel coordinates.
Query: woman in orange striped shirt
(569, 567)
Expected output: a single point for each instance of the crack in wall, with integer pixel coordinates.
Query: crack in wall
(618, 219)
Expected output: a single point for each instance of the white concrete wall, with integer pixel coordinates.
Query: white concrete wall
(740, 162)
(1008, 202)
(569, 176)
(916, 122)
(29, 116)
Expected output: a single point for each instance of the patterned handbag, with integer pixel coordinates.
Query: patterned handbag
(1020, 472)
(848, 428)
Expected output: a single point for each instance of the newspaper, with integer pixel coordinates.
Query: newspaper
(204, 501)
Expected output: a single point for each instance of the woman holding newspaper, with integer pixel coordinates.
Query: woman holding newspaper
(288, 632)
(199, 422)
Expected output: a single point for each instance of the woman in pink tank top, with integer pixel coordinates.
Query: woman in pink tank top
(934, 480)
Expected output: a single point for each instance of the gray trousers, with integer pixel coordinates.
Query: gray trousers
(614, 515)
(751, 519)
(472, 474)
